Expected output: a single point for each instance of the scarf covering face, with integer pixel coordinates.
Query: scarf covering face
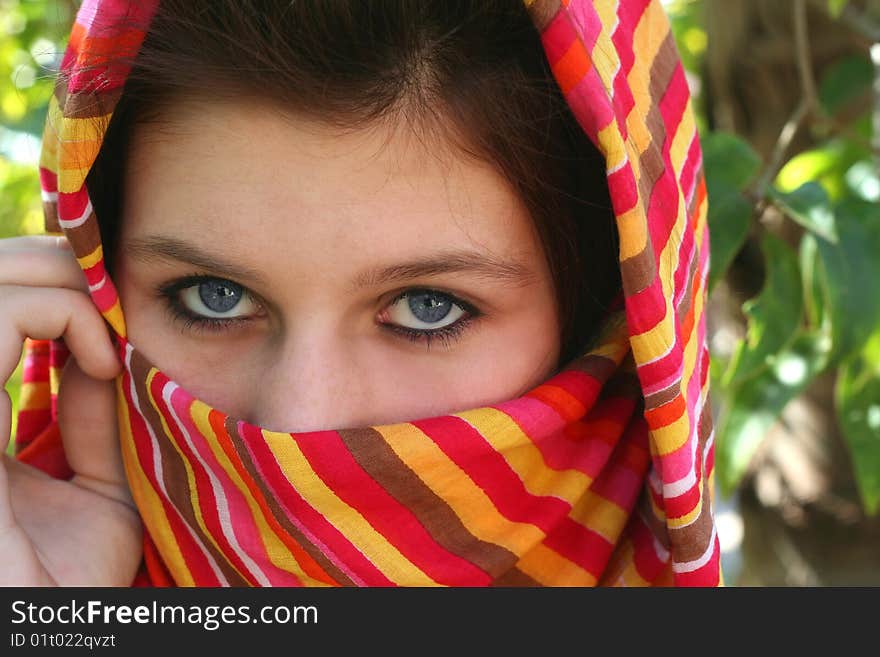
(600, 475)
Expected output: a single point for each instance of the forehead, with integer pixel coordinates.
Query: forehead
(251, 178)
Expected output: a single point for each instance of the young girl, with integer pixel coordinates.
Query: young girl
(374, 318)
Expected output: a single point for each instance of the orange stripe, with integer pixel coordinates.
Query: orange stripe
(562, 402)
(572, 67)
(666, 414)
(309, 566)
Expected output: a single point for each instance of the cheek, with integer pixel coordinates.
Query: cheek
(499, 363)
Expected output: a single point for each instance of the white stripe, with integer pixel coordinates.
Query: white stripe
(97, 286)
(690, 566)
(49, 197)
(160, 480)
(676, 488)
(79, 221)
(219, 494)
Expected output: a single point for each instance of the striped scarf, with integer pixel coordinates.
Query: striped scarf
(600, 475)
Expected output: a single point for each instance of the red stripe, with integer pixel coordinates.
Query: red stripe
(194, 559)
(467, 448)
(335, 541)
(331, 460)
(218, 423)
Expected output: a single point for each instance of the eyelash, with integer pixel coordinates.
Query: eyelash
(447, 335)
(192, 322)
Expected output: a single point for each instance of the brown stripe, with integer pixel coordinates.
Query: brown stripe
(85, 104)
(657, 399)
(173, 470)
(231, 426)
(622, 384)
(88, 105)
(542, 12)
(378, 460)
(704, 428)
(86, 238)
(638, 271)
(50, 217)
(685, 304)
(597, 367)
(515, 578)
(691, 542)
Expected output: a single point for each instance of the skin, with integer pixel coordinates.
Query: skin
(325, 211)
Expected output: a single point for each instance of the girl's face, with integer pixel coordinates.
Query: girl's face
(301, 278)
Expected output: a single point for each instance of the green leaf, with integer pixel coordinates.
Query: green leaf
(774, 315)
(836, 7)
(729, 159)
(813, 282)
(846, 80)
(852, 269)
(809, 206)
(857, 398)
(729, 217)
(749, 410)
(826, 165)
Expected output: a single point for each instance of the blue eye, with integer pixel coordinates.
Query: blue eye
(220, 296)
(206, 298)
(429, 307)
(425, 309)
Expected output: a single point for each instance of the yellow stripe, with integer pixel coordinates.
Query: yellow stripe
(345, 518)
(114, 316)
(688, 518)
(633, 230)
(49, 152)
(190, 475)
(92, 258)
(646, 42)
(279, 555)
(601, 515)
(681, 143)
(615, 152)
(671, 437)
(524, 458)
(35, 396)
(449, 482)
(552, 569)
(604, 54)
(147, 499)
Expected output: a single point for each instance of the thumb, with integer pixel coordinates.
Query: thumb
(89, 432)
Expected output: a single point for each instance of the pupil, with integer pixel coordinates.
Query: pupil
(219, 296)
(429, 307)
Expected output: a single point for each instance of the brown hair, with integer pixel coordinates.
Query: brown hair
(475, 66)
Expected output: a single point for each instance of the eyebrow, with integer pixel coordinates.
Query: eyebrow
(160, 247)
(476, 263)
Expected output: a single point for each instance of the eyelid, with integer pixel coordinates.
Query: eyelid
(468, 306)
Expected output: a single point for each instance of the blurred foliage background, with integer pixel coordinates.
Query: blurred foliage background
(787, 95)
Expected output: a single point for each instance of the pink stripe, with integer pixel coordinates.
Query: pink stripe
(241, 519)
(332, 461)
(194, 555)
(467, 448)
(208, 504)
(317, 529)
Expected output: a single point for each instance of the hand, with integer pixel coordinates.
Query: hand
(85, 531)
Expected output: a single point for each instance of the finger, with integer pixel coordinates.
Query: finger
(88, 427)
(22, 263)
(44, 313)
(35, 242)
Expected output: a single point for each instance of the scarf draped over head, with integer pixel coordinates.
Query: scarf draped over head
(600, 475)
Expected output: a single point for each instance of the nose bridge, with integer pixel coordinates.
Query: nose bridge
(307, 385)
